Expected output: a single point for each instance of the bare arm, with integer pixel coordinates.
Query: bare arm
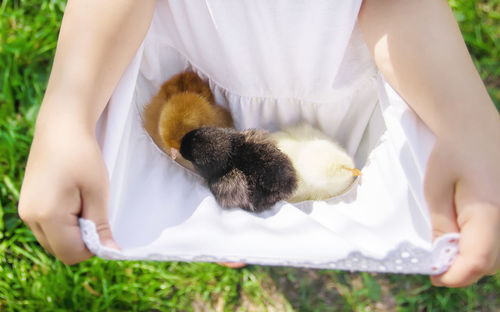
(96, 42)
(66, 176)
(418, 47)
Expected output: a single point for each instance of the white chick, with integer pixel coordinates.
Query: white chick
(324, 169)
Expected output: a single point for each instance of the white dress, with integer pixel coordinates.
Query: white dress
(272, 64)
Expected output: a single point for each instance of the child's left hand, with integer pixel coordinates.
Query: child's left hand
(462, 190)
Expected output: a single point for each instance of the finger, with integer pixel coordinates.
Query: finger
(478, 250)
(66, 240)
(39, 235)
(95, 208)
(233, 265)
(42, 239)
(439, 188)
(33, 225)
(57, 219)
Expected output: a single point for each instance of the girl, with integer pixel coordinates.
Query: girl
(417, 46)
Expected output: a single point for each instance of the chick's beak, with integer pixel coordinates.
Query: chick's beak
(174, 153)
(355, 172)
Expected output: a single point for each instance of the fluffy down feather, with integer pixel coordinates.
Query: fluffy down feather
(324, 169)
(184, 102)
(242, 169)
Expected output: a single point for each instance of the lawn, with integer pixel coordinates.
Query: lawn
(32, 280)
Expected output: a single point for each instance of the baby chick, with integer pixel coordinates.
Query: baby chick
(183, 103)
(243, 169)
(324, 169)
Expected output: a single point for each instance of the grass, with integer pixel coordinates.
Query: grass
(480, 25)
(32, 280)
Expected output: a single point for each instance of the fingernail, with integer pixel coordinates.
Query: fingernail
(111, 244)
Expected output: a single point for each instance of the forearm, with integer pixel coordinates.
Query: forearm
(418, 47)
(97, 40)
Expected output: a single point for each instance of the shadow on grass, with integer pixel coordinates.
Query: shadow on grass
(326, 290)
(308, 289)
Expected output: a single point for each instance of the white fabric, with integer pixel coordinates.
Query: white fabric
(272, 64)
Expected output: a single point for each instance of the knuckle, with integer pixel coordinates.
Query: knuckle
(30, 213)
(24, 214)
(103, 228)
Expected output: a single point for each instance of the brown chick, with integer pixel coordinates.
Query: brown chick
(184, 103)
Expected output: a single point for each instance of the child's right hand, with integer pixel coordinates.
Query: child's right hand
(65, 178)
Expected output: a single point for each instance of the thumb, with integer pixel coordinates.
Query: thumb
(95, 208)
(439, 190)
(478, 249)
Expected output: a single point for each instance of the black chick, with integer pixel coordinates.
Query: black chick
(243, 169)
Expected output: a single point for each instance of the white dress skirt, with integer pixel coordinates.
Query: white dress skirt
(272, 64)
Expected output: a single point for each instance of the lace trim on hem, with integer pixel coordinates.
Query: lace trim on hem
(404, 259)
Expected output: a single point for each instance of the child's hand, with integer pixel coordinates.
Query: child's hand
(462, 189)
(418, 47)
(65, 178)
